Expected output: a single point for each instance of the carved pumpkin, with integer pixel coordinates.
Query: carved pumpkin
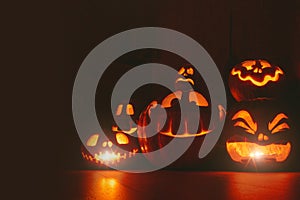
(196, 103)
(103, 151)
(253, 79)
(259, 132)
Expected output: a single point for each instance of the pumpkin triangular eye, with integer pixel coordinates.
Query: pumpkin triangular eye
(129, 109)
(181, 71)
(190, 71)
(122, 138)
(275, 126)
(248, 64)
(92, 141)
(119, 109)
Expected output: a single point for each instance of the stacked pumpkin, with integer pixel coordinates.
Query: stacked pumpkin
(258, 132)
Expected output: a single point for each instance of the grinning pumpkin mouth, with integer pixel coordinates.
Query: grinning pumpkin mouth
(185, 80)
(245, 151)
(264, 79)
(108, 156)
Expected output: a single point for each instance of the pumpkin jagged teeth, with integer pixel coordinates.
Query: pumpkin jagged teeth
(240, 151)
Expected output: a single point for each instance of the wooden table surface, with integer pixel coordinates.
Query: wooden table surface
(108, 184)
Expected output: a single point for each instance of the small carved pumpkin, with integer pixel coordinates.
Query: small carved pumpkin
(195, 102)
(101, 151)
(253, 79)
(259, 132)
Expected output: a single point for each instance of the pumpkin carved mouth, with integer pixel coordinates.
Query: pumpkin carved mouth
(184, 135)
(189, 80)
(245, 151)
(131, 131)
(108, 156)
(257, 78)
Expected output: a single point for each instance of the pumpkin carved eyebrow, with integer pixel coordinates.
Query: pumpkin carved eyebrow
(274, 124)
(265, 64)
(250, 125)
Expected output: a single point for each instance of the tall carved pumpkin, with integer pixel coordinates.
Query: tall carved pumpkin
(196, 103)
(259, 134)
(102, 151)
(253, 79)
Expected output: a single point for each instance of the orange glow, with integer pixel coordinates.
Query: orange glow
(129, 109)
(115, 128)
(122, 138)
(190, 71)
(250, 126)
(108, 182)
(92, 141)
(107, 156)
(181, 71)
(273, 125)
(244, 151)
(198, 99)
(266, 79)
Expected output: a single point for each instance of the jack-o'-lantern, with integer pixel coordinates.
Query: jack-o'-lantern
(259, 133)
(104, 152)
(178, 125)
(253, 79)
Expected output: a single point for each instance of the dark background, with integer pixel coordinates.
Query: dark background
(46, 42)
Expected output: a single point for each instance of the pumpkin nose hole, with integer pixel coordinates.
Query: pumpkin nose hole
(266, 138)
(255, 70)
(185, 74)
(262, 137)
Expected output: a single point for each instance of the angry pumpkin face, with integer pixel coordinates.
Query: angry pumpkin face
(259, 134)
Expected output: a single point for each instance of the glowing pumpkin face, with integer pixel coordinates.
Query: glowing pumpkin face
(259, 134)
(187, 72)
(196, 103)
(104, 152)
(254, 79)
